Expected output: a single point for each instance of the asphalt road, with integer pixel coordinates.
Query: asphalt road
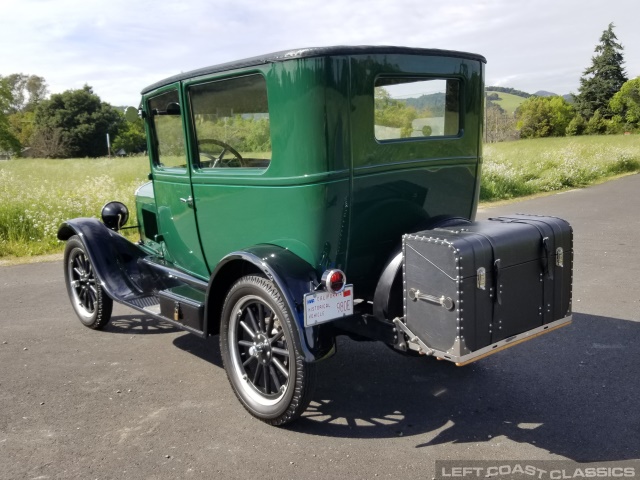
(144, 400)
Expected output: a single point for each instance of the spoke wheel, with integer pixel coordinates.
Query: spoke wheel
(261, 357)
(87, 297)
(259, 352)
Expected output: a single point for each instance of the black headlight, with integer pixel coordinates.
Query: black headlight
(115, 215)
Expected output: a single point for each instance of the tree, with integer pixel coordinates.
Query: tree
(8, 141)
(22, 126)
(626, 103)
(577, 126)
(131, 138)
(21, 94)
(37, 90)
(596, 124)
(81, 119)
(27, 91)
(394, 113)
(544, 117)
(605, 76)
(561, 114)
(499, 126)
(512, 91)
(48, 142)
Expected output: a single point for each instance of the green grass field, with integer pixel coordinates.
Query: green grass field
(508, 102)
(37, 195)
(526, 167)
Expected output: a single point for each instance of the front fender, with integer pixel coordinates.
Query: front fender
(292, 276)
(114, 258)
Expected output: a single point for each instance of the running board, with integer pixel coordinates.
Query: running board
(181, 306)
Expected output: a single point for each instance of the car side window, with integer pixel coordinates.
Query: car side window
(169, 135)
(231, 121)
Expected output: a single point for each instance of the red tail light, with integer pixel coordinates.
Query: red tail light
(334, 280)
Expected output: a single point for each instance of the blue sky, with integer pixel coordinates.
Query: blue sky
(120, 46)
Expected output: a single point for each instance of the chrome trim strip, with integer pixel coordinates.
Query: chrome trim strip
(416, 344)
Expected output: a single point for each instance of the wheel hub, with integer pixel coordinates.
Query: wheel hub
(261, 349)
(84, 281)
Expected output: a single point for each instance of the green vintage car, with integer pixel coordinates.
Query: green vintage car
(280, 188)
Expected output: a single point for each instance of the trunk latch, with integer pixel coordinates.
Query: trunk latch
(482, 278)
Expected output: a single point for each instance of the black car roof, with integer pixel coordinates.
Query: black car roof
(311, 52)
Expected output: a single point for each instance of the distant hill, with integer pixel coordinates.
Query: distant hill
(507, 101)
(433, 102)
(544, 93)
(512, 91)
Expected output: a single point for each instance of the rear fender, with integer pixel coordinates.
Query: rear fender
(291, 275)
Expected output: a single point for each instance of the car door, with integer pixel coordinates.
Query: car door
(231, 154)
(172, 184)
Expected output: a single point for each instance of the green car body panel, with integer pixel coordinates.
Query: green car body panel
(333, 194)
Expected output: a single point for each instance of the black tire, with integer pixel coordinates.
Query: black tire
(260, 350)
(90, 302)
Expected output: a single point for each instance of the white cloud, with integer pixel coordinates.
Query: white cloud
(120, 46)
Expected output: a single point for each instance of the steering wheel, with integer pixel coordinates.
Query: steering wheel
(219, 160)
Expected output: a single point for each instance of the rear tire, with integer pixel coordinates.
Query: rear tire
(260, 350)
(90, 302)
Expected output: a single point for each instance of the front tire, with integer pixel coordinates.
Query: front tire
(90, 302)
(261, 354)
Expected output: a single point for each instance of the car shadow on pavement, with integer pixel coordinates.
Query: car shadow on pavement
(138, 325)
(573, 393)
(206, 349)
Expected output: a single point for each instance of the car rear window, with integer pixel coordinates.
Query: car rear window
(408, 108)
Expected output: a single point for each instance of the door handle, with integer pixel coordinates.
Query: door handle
(188, 201)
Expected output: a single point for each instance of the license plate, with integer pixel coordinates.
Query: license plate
(320, 307)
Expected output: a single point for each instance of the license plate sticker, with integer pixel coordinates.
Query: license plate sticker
(320, 307)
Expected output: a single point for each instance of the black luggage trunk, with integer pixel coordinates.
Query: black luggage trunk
(482, 285)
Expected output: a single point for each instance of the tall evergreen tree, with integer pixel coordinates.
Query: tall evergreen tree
(605, 76)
